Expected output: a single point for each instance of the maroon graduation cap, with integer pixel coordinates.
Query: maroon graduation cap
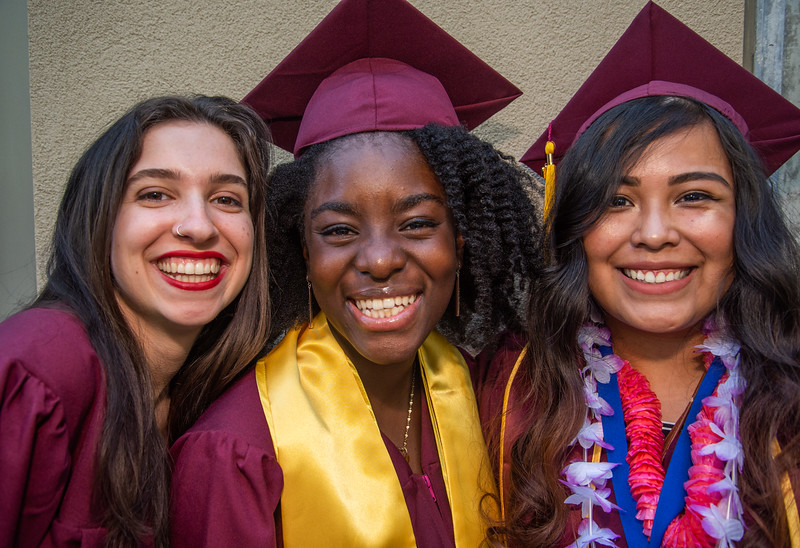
(659, 55)
(375, 65)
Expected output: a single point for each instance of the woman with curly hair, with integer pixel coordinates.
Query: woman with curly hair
(360, 427)
(658, 400)
(156, 295)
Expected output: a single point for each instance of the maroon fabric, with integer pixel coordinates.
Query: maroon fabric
(227, 483)
(659, 55)
(370, 95)
(360, 29)
(51, 416)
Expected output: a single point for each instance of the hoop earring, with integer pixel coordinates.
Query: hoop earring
(458, 291)
(310, 308)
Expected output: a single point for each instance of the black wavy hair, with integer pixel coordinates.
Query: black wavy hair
(761, 308)
(495, 207)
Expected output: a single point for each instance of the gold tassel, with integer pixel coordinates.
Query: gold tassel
(549, 173)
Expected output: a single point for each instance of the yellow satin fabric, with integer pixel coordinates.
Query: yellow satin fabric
(340, 487)
(789, 502)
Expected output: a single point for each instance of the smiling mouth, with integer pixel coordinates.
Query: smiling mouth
(656, 276)
(384, 308)
(189, 270)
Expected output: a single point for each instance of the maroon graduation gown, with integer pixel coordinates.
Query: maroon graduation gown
(52, 404)
(227, 484)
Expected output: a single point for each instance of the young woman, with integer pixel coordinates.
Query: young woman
(658, 400)
(360, 427)
(149, 307)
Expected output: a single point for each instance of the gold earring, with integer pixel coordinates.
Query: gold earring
(458, 291)
(310, 308)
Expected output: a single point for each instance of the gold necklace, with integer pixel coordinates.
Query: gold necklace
(404, 449)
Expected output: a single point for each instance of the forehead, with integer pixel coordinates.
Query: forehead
(373, 167)
(691, 148)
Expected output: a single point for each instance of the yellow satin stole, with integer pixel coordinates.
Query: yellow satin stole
(340, 487)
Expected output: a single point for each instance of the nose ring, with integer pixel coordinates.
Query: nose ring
(178, 231)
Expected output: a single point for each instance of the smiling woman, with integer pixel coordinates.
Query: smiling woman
(658, 400)
(156, 295)
(360, 427)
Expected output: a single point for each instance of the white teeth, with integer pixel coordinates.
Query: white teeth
(384, 308)
(189, 270)
(655, 277)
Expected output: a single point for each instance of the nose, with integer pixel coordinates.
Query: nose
(655, 228)
(194, 221)
(380, 256)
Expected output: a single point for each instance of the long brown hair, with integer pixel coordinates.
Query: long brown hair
(761, 308)
(132, 476)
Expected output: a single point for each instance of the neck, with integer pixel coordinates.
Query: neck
(669, 361)
(164, 352)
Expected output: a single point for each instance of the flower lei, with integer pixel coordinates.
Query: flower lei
(713, 511)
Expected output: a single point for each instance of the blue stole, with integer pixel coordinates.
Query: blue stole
(671, 500)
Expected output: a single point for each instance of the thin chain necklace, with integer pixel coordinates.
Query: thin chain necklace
(404, 448)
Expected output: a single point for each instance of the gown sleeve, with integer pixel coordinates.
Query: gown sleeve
(52, 401)
(34, 456)
(226, 483)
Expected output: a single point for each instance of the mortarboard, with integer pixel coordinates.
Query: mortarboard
(376, 65)
(659, 55)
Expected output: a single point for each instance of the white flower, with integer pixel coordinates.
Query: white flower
(597, 405)
(588, 473)
(593, 335)
(588, 496)
(728, 448)
(602, 367)
(591, 433)
(589, 532)
(725, 530)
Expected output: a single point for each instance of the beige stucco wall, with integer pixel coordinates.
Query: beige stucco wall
(91, 59)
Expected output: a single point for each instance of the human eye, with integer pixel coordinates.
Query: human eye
(695, 196)
(419, 224)
(229, 202)
(337, 231)
(151, 196)
(619, 201)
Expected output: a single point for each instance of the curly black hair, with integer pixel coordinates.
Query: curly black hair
(496, 208)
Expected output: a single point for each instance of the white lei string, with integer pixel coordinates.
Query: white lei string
(587, 480)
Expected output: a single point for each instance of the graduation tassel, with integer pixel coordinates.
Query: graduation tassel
(549, 174)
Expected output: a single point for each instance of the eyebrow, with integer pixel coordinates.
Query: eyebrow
(171, 174)
(409, 202)
(683, 178)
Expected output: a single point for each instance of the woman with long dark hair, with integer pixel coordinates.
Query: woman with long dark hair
(657, 402)
(360, 427)
(156, 296)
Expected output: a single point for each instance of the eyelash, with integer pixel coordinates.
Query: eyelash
(337, 230)
(697, 196)
(417, 224)
(234, 201)
(152, 195)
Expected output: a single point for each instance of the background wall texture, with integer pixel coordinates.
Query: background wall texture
(90, 60)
